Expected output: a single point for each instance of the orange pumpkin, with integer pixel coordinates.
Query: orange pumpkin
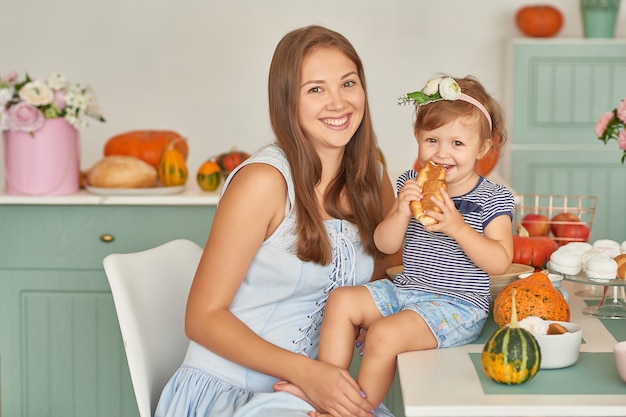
(487, 163)
(230, 160)
(172, 168)
(540, 21)
(381, 158)
(147, 145)
(534, 296)
(209, 176)
(532, 250)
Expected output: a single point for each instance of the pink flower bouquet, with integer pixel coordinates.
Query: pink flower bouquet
(25, 104)
(612, 125)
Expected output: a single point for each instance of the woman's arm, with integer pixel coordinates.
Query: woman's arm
(249, 211)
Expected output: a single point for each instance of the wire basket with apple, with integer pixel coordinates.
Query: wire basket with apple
(564, 218)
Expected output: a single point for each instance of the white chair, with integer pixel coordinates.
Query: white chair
(150, 290)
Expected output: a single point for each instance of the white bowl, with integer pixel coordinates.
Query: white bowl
(498, 282)
(560, 350)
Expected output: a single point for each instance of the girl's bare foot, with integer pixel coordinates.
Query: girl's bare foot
(287, 386)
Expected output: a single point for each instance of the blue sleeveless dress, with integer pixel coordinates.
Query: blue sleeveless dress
(283, 305)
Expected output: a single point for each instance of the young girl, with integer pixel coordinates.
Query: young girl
(441, 298)
(294, 221)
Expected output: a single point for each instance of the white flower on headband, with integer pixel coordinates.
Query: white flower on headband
(435, 89)
(449, 89)
(432, 86)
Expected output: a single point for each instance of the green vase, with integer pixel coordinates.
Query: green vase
(599, 17)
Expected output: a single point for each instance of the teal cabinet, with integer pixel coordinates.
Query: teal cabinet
(561, 87)
(61, 350)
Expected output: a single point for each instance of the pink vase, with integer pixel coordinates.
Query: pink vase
(47, 163)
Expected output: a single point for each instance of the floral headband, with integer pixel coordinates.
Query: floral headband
(442, 89)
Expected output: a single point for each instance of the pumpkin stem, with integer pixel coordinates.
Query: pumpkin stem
(174, 142)
(513, 310)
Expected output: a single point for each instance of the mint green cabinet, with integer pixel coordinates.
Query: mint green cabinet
(561, 87)
(61, 351)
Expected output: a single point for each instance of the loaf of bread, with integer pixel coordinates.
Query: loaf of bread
(432, 178)
(120, 171)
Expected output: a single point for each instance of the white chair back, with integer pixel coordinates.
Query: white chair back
(150, 290)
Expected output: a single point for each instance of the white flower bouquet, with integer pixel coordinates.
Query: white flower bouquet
(26, 103)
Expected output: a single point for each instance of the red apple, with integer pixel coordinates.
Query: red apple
(568, 227)
(536, 224)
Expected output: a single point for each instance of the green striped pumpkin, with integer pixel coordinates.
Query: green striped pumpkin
(209, 176)
(511, 355)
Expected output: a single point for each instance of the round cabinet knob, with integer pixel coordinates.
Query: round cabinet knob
(107, 238)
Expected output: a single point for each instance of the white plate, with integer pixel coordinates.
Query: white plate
(136, 191)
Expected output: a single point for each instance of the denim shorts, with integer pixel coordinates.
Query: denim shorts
(453, 321)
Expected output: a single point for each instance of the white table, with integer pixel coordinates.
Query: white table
(444, 382)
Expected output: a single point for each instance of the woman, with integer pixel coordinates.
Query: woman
(295, 221)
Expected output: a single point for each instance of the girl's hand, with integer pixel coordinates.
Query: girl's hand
(450, 220)
(409, 192)
(330, 390)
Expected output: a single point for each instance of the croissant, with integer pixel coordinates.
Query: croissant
(432, 178)
(621, 265)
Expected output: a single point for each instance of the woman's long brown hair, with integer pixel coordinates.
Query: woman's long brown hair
(359, 177)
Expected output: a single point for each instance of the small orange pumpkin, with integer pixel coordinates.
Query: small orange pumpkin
(209, 176)
(172, 168)
(532, 250)
(147, 145)
(381, 158)
(541, 21)
(534, 296)
(230, 160)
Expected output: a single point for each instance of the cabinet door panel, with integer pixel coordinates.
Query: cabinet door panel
(560, 89)
(70, 236)
(62, 352)
(576, 173)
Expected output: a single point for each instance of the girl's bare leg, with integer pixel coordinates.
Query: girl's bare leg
(347, 310)
(386, 338)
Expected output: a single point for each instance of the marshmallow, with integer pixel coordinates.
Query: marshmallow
(602, 268)
(565, 261)
(534, 324)
(578, 247)
(611, 247)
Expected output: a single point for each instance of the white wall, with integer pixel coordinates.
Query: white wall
(200, 66)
